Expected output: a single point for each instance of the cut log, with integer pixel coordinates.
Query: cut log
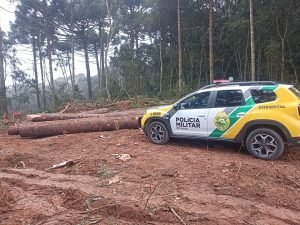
(47, 129)
(97, 111)
(126, 113)
(67, 116)
(58, 116)
(13, 130)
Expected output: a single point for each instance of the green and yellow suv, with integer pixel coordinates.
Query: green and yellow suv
(262, 115)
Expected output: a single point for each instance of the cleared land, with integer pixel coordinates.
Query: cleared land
(202, 184)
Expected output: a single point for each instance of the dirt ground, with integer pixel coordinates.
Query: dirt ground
(184, 182)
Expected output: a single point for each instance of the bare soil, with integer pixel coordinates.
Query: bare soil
(203, 183)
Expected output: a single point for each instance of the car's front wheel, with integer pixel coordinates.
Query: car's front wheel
(265, 144)
(158, 133)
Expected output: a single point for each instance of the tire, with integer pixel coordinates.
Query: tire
(158, 133)
(265, 144)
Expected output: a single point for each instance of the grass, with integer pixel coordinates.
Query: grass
(105, 172)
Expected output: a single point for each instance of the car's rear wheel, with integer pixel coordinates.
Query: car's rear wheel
(158, 133)
(265, 144)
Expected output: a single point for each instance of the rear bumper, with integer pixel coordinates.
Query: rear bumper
(294, 141)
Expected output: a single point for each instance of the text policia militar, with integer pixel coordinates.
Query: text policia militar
(183, 122)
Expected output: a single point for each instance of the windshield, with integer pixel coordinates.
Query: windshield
(295, 91)
(185, 97)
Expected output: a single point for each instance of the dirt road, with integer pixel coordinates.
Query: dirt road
(202, 184)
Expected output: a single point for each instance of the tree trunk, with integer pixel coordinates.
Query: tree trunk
(108, 7)
(180, 69)
(87, 66)
(49, 53)
(73, 55)
(293, 65)
(282, 60)
(283, 35)
(62, 67)
(201, 61)
(103, 80)
(37, 90)
(246, 58)
(106, 76)
(191, 68)
(161, 67)
(70, 69)
(98, 67)
(3, 99)
(42, 73)
(200, 71)
(49, 48)
(211, 43)
(253, 77)
(136, 42)
(47, 129)
(73, 70)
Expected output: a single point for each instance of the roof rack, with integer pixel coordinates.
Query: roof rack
(250, 83)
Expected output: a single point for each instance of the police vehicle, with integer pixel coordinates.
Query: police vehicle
(261, 115)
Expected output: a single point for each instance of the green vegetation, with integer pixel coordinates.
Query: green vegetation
(134, 45)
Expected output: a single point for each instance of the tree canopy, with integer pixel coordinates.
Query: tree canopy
(150, 47)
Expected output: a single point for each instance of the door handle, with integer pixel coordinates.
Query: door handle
(202, 116)
(242, 114)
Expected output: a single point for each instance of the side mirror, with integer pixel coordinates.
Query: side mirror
(176, 106)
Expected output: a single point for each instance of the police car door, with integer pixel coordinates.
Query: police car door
(228, 108)
(190, 119)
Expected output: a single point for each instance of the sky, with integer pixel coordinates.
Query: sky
(24, 53)
(6, 14)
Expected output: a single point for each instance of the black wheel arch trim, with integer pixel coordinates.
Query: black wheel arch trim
(243, 133)
(160, 119)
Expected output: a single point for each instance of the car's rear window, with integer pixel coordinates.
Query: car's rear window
(229, 98)
(262, 96)
(295, 91)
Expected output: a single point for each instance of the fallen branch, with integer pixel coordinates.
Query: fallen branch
(239, 169)
(124, 203)
(261, 172)
(66, 108)
(177, 216)
(288, 179)
(63, 164)
(152, 192)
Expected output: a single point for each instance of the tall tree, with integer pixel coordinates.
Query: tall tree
(39, 45)
(34, 49)
(253, 77)
(180, 69)
(282, 11)
(26, 31)
(80, 22)
(3, 100)
(49, 30)
(211, 42)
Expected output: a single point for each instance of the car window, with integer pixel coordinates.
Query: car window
(197, 101)
(295, 91)
(262, 96)
(229, 98)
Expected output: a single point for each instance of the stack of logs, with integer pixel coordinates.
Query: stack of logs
(52, 124)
